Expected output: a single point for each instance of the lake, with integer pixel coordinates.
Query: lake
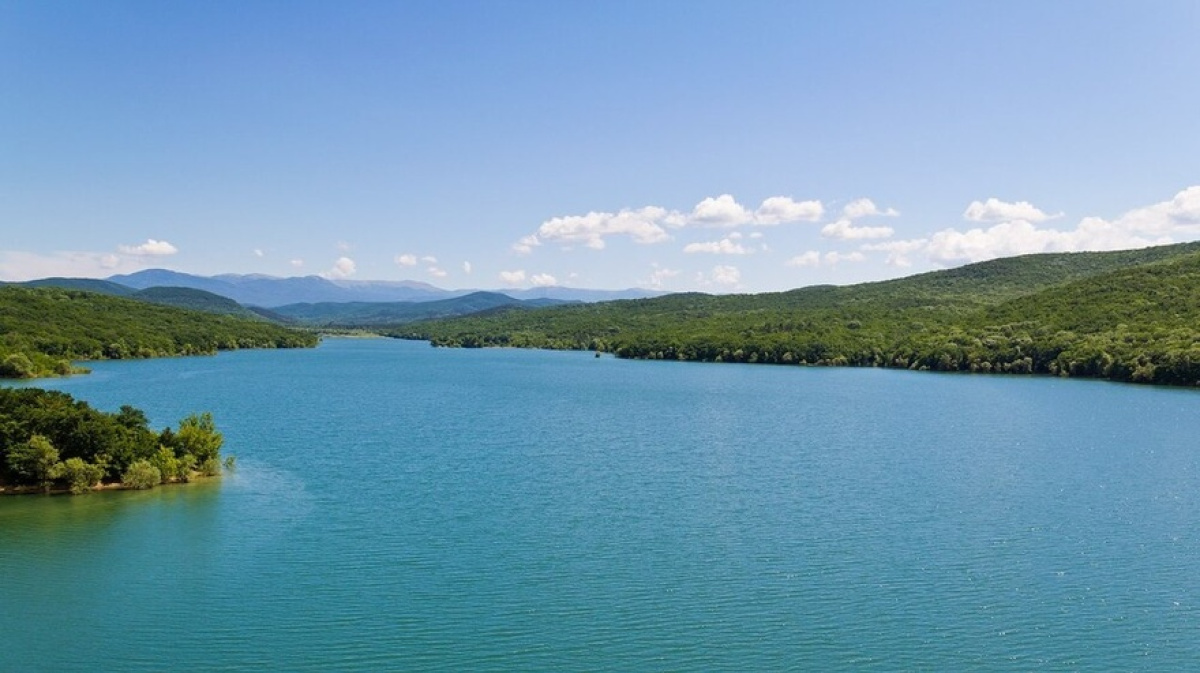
(399, 507)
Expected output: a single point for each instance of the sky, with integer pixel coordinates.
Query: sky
(678, 146)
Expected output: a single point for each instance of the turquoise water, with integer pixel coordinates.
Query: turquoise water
(398, 507)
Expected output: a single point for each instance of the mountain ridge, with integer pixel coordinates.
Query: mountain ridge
(1129, 316)
(272, 291)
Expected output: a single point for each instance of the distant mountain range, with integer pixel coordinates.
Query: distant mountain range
(273, 292)
(379, 314)
(317, 302)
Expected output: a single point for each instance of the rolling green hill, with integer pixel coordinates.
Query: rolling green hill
(182, 297)
(195, 300)
(1126, 315)
(87, 284)
(43, 329)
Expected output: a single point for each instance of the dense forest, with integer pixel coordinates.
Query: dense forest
(1126, 316)
(48, 439)
(43, 329)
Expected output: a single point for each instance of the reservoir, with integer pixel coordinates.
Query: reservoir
(399, 507)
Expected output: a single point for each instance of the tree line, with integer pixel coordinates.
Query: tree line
(43, 330)
(1129, 316)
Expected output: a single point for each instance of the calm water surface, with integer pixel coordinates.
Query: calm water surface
(398, 507)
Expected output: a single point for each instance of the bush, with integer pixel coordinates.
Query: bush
(211, 467)
(166, 463)
(141, 475)
(17, 366)
(80, 476)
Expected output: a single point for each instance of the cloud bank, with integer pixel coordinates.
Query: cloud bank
(650, 224)
(1157, 224)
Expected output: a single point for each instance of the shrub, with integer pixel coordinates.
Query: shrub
(80, 475)
(141, 475)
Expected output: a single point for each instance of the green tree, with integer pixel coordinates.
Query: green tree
(167, 464)
(141, 474)
(34, 461)
(187, 465)
(211, 467)
(80, 475)
(198, 436)
(17, 366)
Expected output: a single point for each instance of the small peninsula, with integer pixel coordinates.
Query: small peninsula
(51, 441)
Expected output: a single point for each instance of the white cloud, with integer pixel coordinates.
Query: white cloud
(995, 210)
(526, 244)
(150, 248)
(406, 259)
(649, 224)
(722, 211)
(1002, 240)
(660, 275)
(865, 208)
(344, 267)
(843, 230)
(344, 246)
(640, 225)
(258, 252)
(18, 266)
(1157, 224)
(724, 246)
(513, 277)
(543, 280)
(466, 267)
(429, 259)
(810, 258)
(781, 209)
(756, 234)
(297, 263)
(835, 258)
(898, 251)
(815, 259)
(436, 272)
(726, 275)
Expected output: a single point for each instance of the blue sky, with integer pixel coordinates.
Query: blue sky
(722, 147)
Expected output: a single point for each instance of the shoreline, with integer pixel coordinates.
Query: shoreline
(12, 490)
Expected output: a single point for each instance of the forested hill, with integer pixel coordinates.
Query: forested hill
(181, 297)
(1127, 316)
(43, 329)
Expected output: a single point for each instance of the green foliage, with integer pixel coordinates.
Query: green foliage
(210, 467)
(43, 329)
(1126, 316)
(17, 366)
(141, 474)
(186, 467)
(41, 431)
(195, 300)
(34, 461)
(81, 476)
(167, 464)
(198, 436)
(230, 463)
